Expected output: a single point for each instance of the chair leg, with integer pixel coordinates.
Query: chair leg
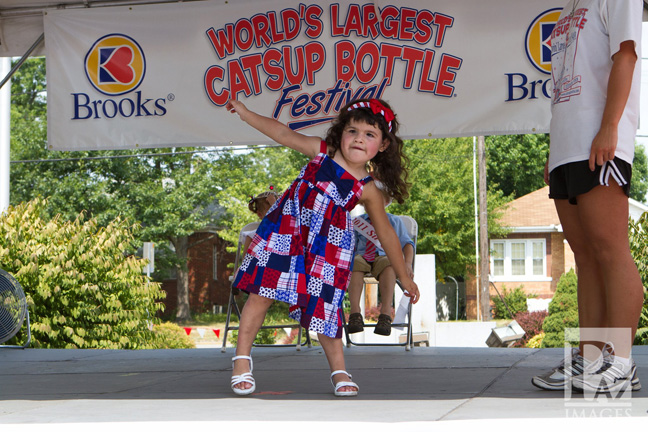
(231, 304)
(349, 343)
(299, 338)
(410, 337)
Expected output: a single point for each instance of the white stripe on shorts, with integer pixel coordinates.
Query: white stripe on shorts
(608, 169)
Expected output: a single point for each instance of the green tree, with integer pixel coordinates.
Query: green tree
(84, 286)
(516, 163)
(639, 184)
(71, 185)
(442, 202)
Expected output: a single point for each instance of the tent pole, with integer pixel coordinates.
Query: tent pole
(22, 60)
(5, 115)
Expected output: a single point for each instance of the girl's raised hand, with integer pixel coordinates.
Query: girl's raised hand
(235, 106)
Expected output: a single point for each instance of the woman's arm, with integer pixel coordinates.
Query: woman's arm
(619, 84)
(275, 130)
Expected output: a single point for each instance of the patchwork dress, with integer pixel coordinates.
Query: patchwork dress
(302, 252)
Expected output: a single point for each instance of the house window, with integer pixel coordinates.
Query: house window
(497, 259)
(518, 260)
(215, 264)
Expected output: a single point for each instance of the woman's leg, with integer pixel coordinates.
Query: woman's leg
(592, 310)
(252, 317)
(603, 213)
(334, 351)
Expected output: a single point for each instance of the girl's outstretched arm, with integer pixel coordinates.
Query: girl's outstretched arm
(277, 131)
(374, 205)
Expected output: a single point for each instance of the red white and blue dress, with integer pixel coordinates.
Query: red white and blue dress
(302, 252)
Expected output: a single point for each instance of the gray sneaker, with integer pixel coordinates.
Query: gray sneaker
(608, 376)
(560, 378)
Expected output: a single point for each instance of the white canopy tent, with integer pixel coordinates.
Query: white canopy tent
(21, 21)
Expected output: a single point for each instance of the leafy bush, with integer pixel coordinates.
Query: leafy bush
(531, 322)
(536, 341)
(563, 312)
(83, 290)
(638, 234)
(264, 337)
(641, 337)
(170, 335)
(515, 299)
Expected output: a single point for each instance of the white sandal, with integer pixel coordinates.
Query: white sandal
(243, 378)
(341, 384)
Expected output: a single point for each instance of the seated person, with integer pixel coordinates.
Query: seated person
(371, 259)
(259, 205)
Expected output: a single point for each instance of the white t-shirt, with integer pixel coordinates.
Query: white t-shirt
(587, 35)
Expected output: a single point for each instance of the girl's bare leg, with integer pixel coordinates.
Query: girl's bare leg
(334, 351)
(252, 317)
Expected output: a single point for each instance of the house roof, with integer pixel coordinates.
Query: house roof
(532, 210)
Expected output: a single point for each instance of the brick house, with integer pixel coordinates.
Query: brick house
(535, 253)
(209, 271)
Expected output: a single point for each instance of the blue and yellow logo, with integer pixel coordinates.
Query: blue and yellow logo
(538, 39)
(115, 64)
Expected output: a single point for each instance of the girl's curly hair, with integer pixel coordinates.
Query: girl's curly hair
(391, 165)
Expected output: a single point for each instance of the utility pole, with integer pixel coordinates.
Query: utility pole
(476, 200)
(484, 262)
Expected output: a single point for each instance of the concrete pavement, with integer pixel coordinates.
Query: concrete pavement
(420, 388)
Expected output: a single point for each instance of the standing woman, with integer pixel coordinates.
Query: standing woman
(596, 47)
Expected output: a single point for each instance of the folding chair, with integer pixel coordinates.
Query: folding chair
(233, 306)
(412, 229)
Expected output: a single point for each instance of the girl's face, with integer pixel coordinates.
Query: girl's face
(361, 142)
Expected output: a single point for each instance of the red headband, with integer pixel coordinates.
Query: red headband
(377, 108)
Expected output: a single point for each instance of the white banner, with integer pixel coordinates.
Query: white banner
(159, 75)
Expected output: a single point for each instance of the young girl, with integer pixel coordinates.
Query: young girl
(302, 252)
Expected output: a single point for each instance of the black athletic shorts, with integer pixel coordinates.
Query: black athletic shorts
(573, 179)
